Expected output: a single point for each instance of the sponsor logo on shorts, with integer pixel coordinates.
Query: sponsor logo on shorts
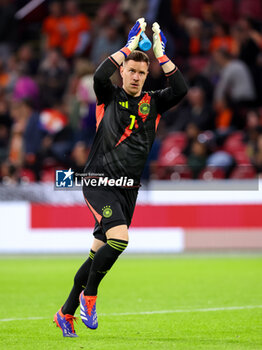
(107, 211)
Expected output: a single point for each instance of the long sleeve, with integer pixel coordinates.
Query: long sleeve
(173, 94)
(103, 87)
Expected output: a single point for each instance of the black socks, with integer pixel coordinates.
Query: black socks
(102, 263)
(92, 272)
(80, 281)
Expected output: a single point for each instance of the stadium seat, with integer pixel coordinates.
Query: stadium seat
(171, 150)
(194, 8)
(180, 172)
(48, 175)
(243, 172)
(252, 8)
(176, 172)
(211, 173)
(159, 172)
(51, 163)
(241, 157)
(225, 9)
(172, 157)
(27, 175)
(171, 162)
(237, 148)
(198, 63)
(233, 140)
(178, 138)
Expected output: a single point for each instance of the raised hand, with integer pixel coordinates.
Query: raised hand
(159, 44)
(134, 36)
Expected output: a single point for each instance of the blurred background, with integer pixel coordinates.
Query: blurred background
(202, 187)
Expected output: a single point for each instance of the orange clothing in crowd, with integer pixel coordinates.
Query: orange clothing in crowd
(224, 42)
(223, 118)
(52, 29)
(73, 27)
(4, 79)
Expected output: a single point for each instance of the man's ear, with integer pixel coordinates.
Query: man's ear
(121, 70)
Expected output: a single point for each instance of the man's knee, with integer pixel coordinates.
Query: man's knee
(118, 232)
(97, 244)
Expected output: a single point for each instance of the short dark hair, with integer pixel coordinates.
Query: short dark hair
(138, 56)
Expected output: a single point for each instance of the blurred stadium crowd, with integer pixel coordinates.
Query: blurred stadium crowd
(48, 55)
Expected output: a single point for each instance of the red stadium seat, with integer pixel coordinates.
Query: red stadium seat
(48, 175)
(172, 157)
(233, 141)
(225, 9)
(171, 162)
(211, 173)
(159, 173)
(178, 138)
(198, 63)
(181, 172)
(194, 8)
(176, 172)
(241, 157)
(27, 175)
(237, 148)
(243, 172)
(171, 149)
(252, 8)
(51, 163)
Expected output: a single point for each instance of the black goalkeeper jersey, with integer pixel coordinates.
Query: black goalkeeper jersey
(126, 125)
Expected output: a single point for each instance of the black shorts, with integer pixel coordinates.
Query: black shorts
(110, 206)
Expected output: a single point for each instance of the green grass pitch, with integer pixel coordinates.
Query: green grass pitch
(162, 302)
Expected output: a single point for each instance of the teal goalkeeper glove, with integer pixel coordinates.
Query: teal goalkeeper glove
(134, 36)
(159, 44)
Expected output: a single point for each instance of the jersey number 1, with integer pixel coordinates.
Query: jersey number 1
(133, 119)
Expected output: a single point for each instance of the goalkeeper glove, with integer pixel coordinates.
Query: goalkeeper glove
(159, 44)
(134, 37)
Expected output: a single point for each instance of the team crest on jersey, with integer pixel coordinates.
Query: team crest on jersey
(144, 107)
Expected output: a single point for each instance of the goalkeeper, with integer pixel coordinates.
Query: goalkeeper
(127, 120)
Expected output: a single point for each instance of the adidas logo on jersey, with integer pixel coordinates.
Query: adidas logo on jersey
(124, 104)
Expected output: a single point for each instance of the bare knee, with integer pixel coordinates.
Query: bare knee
(118, 232)
(97, 244)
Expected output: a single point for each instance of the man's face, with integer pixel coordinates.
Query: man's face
(134, 75)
